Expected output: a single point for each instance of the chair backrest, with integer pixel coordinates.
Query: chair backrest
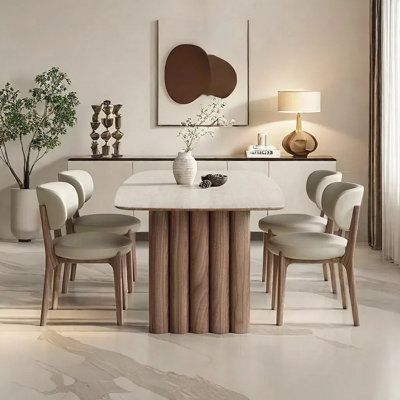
(82, 182)
(61, 201)
(318, 181)
(339, 200)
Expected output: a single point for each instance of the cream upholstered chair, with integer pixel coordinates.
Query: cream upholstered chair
(112, 223)
(58, 202)
(279, 224)
(341, 204)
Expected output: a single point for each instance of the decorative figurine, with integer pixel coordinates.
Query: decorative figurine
(116, 108)
(106, 135)
(94, 135)
(117, 134)
(96, 112)
(107, 108)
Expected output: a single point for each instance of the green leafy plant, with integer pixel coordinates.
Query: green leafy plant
(36, 121)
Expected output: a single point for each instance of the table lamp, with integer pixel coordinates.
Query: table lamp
(299, 143)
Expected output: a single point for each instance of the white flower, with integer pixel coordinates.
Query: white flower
(194, 129)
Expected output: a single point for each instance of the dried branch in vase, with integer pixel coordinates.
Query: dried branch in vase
(210, 117)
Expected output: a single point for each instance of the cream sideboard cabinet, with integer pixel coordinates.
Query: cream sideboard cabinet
(290, 174)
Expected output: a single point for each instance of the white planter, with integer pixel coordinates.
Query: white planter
(25, 217)
(184, 168)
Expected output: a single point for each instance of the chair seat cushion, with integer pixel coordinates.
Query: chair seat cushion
(308, 245)
(91, 246)
(113, 223)
(291, 223)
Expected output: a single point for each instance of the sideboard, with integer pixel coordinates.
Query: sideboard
(289, 172)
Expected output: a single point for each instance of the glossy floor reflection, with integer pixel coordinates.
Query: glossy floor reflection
(82, 355)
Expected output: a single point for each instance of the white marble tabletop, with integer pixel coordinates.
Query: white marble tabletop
(157, 190)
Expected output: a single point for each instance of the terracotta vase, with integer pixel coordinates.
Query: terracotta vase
(184, 168)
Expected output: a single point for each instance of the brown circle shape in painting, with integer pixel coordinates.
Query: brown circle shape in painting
(223, 77)
(187, 73)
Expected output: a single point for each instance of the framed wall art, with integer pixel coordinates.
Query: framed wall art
(198, 59)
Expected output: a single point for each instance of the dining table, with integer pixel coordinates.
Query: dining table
(199, 247)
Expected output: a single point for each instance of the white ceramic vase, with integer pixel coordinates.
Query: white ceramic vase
(25, 217)
(184, 168)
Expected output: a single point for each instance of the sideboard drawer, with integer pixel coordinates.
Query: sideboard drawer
(140, 166)
(212, 166)
(107, 178)
(292, 176)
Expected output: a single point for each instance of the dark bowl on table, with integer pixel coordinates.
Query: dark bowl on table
(215, 179)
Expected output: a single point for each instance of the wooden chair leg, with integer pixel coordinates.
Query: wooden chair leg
(116, 265)
(56, 286)
(73, 272)
(66, 277)
(123, 269)
(268, 284)
(129, 268)
(342, 286)
(325, 271)
(265, 257)
(134, 260)
(352, 292)
(275, 280)
(48, 275)
(333, 277)
(281, 289)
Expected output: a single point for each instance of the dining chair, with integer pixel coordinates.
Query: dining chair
(58, 202)
(341, 203)
(279, 224)
(120, 224)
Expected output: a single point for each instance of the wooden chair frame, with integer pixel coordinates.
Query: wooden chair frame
(53, 272)
(131, 264)
(268, 264)
(281, 264)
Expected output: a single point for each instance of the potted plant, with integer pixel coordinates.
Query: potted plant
(36, 123)
(209, 117)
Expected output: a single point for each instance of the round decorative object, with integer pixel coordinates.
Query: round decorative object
(184, 168)
(25, 218)
(187, 73)
(205, 184)
(215, 179)
(299, 143)
(223, 77)
(190, 72)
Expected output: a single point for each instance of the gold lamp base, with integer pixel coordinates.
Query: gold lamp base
(299, 143)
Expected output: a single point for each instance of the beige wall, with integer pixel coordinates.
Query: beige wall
(108, 49)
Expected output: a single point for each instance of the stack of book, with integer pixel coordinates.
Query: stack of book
(259, 151)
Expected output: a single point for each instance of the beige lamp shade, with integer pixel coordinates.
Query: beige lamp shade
(299, 101)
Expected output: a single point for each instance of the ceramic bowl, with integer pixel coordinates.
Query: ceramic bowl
(215, 179)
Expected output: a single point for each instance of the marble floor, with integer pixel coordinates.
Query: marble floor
(82, 355)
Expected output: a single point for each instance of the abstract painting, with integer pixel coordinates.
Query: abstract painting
(199, 59)
(190, 72)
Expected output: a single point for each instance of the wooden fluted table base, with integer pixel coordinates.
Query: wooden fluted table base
(199, 271)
